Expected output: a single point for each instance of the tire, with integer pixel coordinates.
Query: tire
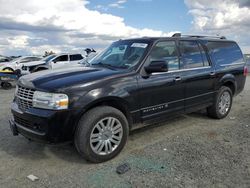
(91, 124)
(6, 85)
(216, 111)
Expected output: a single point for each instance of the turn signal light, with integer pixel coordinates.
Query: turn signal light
(245, 71)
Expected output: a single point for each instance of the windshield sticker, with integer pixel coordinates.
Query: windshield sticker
(139, 45)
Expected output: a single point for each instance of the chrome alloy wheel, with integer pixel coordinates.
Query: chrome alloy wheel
(106, 136)
(224, 102)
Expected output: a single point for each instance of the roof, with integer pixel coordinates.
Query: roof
(179, 36)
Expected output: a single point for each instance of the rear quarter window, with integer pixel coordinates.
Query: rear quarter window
(225, 53)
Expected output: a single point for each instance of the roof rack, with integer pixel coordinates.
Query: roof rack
(198, 36)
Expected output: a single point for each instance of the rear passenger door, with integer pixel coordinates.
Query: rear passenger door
(198, 74)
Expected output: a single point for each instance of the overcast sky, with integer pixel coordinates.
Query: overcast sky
(33, 26)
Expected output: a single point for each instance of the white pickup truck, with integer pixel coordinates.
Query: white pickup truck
(54, 61)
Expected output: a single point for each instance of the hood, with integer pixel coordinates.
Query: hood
(53, 80)
(5, 64)
(32, 63)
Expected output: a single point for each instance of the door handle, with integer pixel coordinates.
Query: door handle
(212, 73)
(177, 79)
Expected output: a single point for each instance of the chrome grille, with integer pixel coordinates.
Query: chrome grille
(24, 97)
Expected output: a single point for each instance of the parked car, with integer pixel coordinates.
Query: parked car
(4, 59)
(133, 83)
(16, 64)
(52, 62)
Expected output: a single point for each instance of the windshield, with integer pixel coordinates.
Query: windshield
(16, 59)
(48, 58)
(121, 54)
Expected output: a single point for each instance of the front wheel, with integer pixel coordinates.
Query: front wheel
(222, 104)
(101, 134)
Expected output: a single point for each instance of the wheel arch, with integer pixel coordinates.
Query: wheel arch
(115, 102)
(5, 68)
(229, 81)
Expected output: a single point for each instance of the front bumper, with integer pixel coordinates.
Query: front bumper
(48, 126)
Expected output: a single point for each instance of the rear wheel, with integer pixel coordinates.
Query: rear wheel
(222, 104)
(101, 134)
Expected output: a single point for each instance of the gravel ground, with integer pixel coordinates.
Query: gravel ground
(189, 151)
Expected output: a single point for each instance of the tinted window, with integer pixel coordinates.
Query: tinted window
(190, 55)
(76, 57)
(61, 58)
(165, 51)
(225, 52)
(48, 58)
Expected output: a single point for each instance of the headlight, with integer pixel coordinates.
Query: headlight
(53, 101)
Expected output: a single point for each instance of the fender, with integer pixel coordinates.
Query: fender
(100, 95)
(91, 101)
(225, 79)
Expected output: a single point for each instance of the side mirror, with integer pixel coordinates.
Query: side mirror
(156, 66)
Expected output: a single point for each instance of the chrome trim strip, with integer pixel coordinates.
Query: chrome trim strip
(25, 99)
(134, 111)
(181, 70)
(201, 95)
(233, 64)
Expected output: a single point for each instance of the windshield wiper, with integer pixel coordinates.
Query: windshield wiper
(105, 65)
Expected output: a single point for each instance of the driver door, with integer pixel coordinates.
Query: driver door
(60, 62)
(162, 94)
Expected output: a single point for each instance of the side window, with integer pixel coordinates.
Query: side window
(225, 52)
(76, 57)
(190, 55)
(61, 58)
(166, 51)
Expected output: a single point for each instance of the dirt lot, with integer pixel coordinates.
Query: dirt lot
(189, 151)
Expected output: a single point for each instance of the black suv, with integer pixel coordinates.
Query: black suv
(132, 83)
